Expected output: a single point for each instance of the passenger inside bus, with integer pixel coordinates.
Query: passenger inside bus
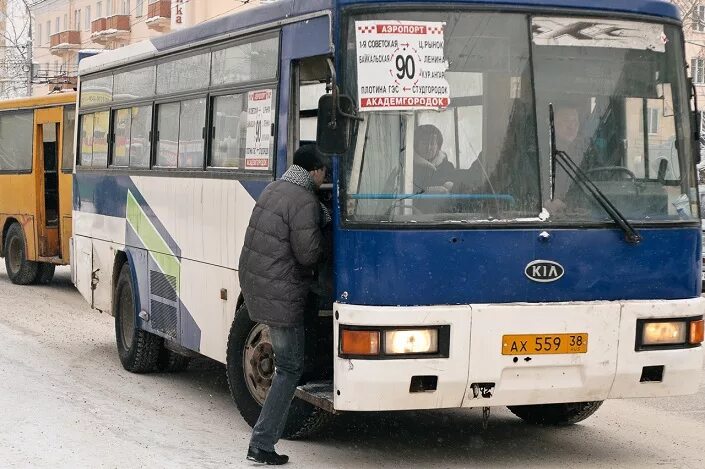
(433, 172)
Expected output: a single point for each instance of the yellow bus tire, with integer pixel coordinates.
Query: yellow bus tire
(45, 273)
(19, 269)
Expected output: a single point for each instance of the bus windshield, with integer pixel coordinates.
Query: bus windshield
(621, 113)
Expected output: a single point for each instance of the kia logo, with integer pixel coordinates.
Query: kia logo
(544, 271)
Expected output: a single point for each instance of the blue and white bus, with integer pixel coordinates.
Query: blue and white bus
(515, 209)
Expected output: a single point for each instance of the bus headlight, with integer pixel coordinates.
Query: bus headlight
(411, 341)
(664, 333)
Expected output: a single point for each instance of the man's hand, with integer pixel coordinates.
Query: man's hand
(444, 189)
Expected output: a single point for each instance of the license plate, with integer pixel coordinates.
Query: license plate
(543, 344)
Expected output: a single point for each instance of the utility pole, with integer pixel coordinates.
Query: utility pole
(30, 46)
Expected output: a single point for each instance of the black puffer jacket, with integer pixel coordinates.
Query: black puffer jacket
(282, 244)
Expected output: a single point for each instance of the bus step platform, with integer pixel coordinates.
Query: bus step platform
(317, 393)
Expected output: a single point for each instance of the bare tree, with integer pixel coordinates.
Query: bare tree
(15, 64)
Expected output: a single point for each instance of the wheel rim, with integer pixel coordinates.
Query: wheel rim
(258, 362)
(127, 318)
(15, 254)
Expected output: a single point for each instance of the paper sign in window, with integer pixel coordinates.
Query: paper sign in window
(401, 65)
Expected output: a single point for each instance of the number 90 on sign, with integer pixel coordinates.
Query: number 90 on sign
(544, 344)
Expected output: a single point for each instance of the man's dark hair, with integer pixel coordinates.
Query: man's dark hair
(309, 158)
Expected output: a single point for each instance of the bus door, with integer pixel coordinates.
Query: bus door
(47, 160)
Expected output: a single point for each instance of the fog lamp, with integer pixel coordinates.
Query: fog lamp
(359, 342)
(664, 333)
(411, 341)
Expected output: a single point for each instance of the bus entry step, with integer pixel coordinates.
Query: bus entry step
(318, 393)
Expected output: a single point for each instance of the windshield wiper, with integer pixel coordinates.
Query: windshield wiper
(586, 184)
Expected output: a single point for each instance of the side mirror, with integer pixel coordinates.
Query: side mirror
(335, 127)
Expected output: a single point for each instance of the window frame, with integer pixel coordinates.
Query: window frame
(79, 151)
(697, 72)
(699, 18)
(112, 139)
(242, 90)
(259, 37)
(29, 111)
(68, 138)
(108, 138)
(155, 132)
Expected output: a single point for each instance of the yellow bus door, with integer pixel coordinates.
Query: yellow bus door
(47, 161)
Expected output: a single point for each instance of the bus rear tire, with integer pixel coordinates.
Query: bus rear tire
(19, 269)
(304, 420)
(556, 414)
(171, 362)
(138, 349)
(45, 273)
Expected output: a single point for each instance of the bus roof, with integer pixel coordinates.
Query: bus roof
(39, 101)
(282, 10)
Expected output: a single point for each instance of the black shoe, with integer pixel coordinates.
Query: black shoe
(270, 458)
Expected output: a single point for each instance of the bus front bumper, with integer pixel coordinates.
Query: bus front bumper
(476, 373)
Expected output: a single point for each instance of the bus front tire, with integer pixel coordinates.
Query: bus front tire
(556, 414)
(138, 349)
(45, 273)
(20, 270)
(304, 420)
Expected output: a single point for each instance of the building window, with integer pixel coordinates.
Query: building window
(699, 18)
(77, 20)
(109, 8)
(653, 116)
(39, 34)
(99, 10)
(139, 8)
(88, 18)
(66, 22)
(697, 71)
(125, 7)
(58, 24)
(48, 30)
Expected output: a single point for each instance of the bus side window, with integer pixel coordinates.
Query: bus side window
(310, 78)
(16, 141)
(67, 139)
(309, 94)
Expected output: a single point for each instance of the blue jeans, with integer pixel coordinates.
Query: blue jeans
(288, 344)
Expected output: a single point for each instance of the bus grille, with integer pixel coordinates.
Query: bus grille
(163, 318)
(162, 285)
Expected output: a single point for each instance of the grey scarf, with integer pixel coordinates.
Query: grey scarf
(299, 176)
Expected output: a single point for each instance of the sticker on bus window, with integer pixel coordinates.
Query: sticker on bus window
(401, 65)
(259, 130)
(585, 32)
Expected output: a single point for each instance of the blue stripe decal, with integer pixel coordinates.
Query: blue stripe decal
(107, 195)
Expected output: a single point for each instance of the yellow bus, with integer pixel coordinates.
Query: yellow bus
(36, 161)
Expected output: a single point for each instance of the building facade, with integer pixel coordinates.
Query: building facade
(693, 12)
(63, 29)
